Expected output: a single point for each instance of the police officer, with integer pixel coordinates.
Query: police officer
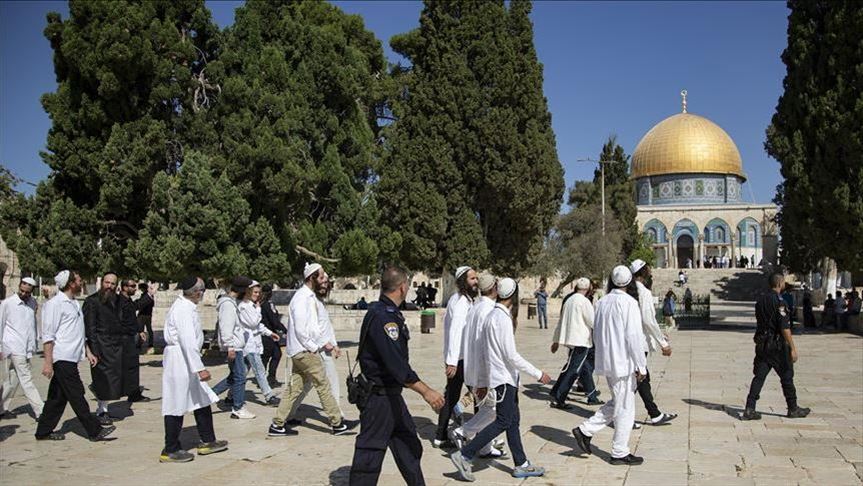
(385, 420)
(774, 349)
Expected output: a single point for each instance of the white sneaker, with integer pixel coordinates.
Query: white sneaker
(457, 437)
(242, 413)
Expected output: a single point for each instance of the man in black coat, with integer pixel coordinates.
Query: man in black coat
(271, 318)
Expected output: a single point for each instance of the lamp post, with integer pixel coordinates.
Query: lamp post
(602, 182)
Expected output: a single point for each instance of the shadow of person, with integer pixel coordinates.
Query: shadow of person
(7, 431)
(120, 410)
(340, 476)
(425, 428)
(731, 411)
(566, 439)
(73, 425)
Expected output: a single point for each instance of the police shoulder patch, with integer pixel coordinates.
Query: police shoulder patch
(392, 330)
(783, 311)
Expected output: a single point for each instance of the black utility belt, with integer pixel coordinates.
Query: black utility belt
(387, 391)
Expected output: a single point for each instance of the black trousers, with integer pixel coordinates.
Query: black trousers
(271, 357)
(174, 426)
(147, 323)
(66, 387)
(386, 423)
(646, 394)
(452, 395)
(784, 367)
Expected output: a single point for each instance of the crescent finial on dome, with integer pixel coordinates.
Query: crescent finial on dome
(683, 95)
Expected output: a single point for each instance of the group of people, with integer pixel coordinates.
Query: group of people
(426, 296)
(838, 311)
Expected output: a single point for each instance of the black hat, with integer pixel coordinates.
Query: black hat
(267, 288)
(187, 282)
(240, 283)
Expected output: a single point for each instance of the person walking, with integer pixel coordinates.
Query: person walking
(575, 332)
(184, 377)
(541, 305)
(385, 421)
(774, 350)
(64, 345)
(132, 331)
(271, 318)
(18, 333)
(669, 304)
(232, 338)
(145, 304)
(249, 313)
(620, 357)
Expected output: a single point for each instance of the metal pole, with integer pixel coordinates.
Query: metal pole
(602, 171)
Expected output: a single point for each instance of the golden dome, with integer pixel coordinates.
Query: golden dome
(686, 143)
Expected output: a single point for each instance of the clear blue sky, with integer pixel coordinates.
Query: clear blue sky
(610, 67)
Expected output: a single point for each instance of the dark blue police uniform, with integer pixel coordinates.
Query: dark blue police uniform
(771, 350)
(385, 420)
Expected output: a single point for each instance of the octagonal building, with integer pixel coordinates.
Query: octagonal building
(689, 193)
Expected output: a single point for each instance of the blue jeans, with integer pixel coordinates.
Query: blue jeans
(542, 316)
(507, 420)
(257, 365)
(579, 365)
(236, 381)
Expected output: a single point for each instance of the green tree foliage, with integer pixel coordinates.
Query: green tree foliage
(816, 136)
(471, 174)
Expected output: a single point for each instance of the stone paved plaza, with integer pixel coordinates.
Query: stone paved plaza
(705, 381)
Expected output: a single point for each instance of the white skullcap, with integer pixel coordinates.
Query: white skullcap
(310, 269)
(582, 283)
(636, 265)
(254, 283)
(621, 276)
(61, 279)
(29, 281)
(505, 288)
(461, 271)
(486, 282)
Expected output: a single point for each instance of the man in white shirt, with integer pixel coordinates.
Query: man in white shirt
(17, 345)
(620, 358)
(475, 358)
(655, 340)
(575, 331)
(453, 324)
(303, 345)
(64, 346)
(504, 365)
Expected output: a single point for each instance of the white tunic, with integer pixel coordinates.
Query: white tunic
(182, 390)
(504, 362)
(575, 327)
(474, 352)
(654, 339)
(453, 324)
(618, 337)
(253, 327)
(18, 326)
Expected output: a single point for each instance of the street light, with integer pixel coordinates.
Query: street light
(602, 164)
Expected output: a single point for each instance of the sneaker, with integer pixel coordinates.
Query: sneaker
(51, 436)
(344, 427)
(104, 418)
(498, 443)
(662, 419)
(242, 413)
(443, 444)
(636, 425)
(179, 456)
(103, 434)
(465, 469)
(582, 441)
(528, 471)
(457, 437)
(273, 401)
(595, 401)
(629, 460)
(494, 453)
(798, 412)
(559, 406)
(277, 431)
(206, 448)
(750, 414)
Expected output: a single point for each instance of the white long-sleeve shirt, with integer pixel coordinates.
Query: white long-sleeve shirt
(618, 337)
(453, 324)
(250, 318)
(504, 362)
(326, 333)
(18, 330)
(63, 324)
(654, 339)
(575, 327)
(474, 352)
(231, 333)
(303, 327)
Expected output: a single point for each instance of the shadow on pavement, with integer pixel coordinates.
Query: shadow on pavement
(7, 431)
(732, 411)
(340, 476)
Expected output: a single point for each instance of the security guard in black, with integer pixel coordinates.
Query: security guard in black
(385, 420)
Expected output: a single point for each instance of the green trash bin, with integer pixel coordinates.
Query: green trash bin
(427, 321)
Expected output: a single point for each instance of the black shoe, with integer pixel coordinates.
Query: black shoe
(629, 460)
(276, 431)
(559, 406)
(662, 419)
(293, 422)
(750, 414)
(103, 434)
(798, 412)
(273, 401)
(582, 441)
(595, 401)
(344, 427)
(104, 418)
(51, 436)
(443, 444)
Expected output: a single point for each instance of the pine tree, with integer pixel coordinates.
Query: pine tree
(816, 136)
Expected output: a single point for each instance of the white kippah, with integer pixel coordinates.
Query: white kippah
(506, 287)
(254, 283)
(621, 276)
(61, 279)
(310, 269)
(29, 281)
(582, 283)
(636, 265)
(461, 271)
